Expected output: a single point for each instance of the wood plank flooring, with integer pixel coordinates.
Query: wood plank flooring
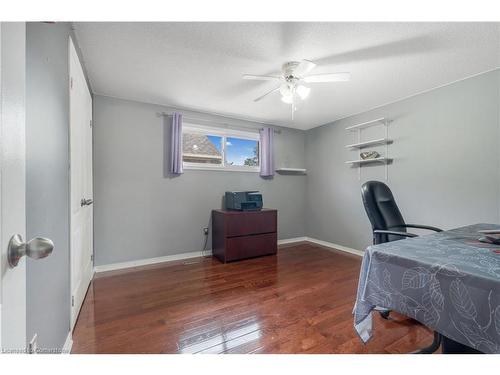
(299, 301)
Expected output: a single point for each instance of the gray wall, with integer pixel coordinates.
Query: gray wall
(445, 171)
(139, 213)
(47, 180)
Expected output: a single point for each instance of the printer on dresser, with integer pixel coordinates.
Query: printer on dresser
(243, 200)
(244, 234)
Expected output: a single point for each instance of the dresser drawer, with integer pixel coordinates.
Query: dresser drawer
(248, 223)
(251, 246)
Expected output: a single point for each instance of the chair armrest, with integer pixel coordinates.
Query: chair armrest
(418, 226)
(394, 233)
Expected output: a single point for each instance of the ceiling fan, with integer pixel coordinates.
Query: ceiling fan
(291, 81)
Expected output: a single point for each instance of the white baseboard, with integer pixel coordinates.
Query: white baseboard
(291, 240)
(66, 349)
(196, 254)
(335, 246)
(330, 245)
(169, 258)
(146, 262)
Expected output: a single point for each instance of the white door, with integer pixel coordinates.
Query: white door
(12, 183)
(81, 243)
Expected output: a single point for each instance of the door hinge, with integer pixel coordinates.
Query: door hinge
(71, 82)
(92, 257)
(90, 123)
(32, 345)
(72, 301)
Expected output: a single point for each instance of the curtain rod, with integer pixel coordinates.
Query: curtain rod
(224, 124)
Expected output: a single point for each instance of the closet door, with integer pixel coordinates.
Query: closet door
(81, 253)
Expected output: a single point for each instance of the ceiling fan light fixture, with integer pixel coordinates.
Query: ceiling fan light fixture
(286, 89)
(288, 99)
(303, 91)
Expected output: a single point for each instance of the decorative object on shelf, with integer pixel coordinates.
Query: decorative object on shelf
(369, 155)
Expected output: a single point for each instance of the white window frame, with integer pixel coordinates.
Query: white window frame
(224, 134)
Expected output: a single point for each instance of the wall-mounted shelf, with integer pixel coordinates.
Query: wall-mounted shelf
(375, 142)
(383, 160)
(291, 170)
(385, 141)
(367, 124)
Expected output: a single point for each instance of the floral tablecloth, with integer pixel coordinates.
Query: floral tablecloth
(448, 281)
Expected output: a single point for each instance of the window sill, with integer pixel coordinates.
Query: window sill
(220, 169)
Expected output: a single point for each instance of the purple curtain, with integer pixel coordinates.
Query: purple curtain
(175, 166)
(266, 152)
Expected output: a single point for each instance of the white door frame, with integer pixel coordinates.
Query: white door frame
(12, 183)
(1, 157)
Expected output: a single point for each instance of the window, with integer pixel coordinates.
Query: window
(219, 149)
(201, 148)
(242, 152)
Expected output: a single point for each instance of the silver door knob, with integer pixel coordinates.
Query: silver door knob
(36, 248)
(86, 202)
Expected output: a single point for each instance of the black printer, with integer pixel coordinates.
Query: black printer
(243, 200)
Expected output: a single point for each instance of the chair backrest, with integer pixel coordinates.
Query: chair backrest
(382, 209)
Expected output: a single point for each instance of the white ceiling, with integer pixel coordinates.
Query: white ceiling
(199, 65)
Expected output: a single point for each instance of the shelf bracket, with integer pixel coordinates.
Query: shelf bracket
(386, 125)
(359, 165)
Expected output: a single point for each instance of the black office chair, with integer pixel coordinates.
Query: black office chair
(386, 219)
(388, 225)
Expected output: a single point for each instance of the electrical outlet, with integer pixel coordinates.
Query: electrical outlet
(33, 346)
(205, 231)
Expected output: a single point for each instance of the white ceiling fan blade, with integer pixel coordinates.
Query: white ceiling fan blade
(328, 77)
(304, 67)
(260, 78)
(266, 94)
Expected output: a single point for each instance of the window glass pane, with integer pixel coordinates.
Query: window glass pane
(200, 148)
(242, 152)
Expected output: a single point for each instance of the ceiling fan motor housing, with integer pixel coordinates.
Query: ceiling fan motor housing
(288, 68)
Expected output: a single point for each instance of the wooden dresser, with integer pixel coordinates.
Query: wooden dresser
(244, 234)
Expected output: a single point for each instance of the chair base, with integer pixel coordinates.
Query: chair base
(436, 343)
(385, 314)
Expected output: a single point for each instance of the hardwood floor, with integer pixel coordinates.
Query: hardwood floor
(299, 301)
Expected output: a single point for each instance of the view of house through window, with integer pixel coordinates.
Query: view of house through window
(206, 148)
(200, 148)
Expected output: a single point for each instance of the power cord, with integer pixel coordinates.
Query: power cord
(205, 247)
(206, 232)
